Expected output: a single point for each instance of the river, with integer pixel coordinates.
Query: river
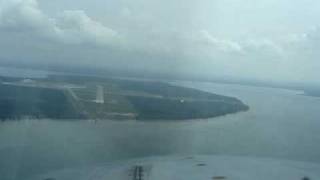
(280, 124)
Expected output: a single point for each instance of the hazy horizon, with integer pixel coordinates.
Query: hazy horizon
(269, 40)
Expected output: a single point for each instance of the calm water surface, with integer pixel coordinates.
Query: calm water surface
(279, 124)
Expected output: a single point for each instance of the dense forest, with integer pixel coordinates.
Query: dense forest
(153, 108)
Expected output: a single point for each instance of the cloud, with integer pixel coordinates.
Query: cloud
(154, 36)
(76, 26)
(244, 47)
(220, 44)
(24, 16)
(263, 45)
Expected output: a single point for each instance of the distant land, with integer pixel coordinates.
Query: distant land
(315, 92)
(114, 72)
(69, 97)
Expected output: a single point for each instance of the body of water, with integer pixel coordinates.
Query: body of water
(280, 124)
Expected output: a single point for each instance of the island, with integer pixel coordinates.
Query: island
(66, 97)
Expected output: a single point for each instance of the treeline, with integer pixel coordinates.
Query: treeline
(167, 90)
(155, 108)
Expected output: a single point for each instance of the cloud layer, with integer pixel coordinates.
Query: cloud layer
(75, 26)
(157, 38)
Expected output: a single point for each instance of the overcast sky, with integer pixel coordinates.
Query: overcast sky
(275, 40)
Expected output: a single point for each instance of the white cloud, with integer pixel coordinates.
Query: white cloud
(248, 46)
(220, 44)
(76, 26)
(157, 37)
(24, 16)
(263, 47)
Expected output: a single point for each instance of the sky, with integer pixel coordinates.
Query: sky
(269, 40)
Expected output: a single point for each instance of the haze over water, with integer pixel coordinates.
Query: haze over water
(279, 124)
